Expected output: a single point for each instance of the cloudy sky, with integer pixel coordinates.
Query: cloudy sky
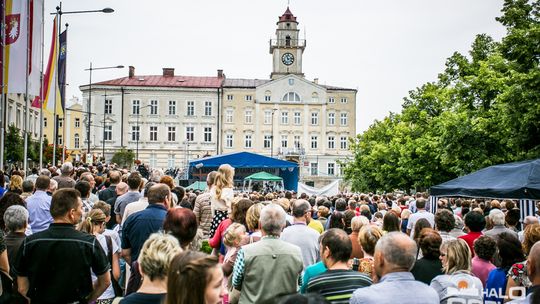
(382, 48)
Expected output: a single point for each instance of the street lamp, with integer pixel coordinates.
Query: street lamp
(89, 105)
(139, 130)
(272, 135)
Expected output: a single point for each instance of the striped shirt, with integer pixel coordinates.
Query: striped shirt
(337, 286)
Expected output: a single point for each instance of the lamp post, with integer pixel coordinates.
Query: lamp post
(139, 130)
(272, 135)
(59, 13)
(89, 104)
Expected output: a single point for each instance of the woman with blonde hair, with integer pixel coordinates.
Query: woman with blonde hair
(221, 196)
(94, 224)
(368, 237)
(458, 282)
(154, 260)
(15, 184)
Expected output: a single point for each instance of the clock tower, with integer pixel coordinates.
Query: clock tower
(287, 49)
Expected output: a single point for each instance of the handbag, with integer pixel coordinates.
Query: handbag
(118, 291)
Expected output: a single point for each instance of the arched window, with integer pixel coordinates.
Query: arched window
(288, 40)
(315, 97)
(291, 97)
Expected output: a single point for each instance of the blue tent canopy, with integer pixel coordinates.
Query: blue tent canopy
(520, 180)
(288, 170)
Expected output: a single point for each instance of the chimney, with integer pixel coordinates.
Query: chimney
(316, 80)
(131, 71)
(220, 74)
(168, 72)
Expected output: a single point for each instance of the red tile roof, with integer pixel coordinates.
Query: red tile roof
(165, 81)
(287, 16)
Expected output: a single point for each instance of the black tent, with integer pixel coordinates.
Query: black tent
(520, 180)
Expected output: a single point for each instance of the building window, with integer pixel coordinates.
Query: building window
(190, 108)
(249, 98)
(248, 116)
(171, 161)
(291, 97)
(343, 142)
(77, 122)
(229, 116)
(331, 100)
(135, 107)
(331, 119)
(44, 121)
(297, 119)
(284, 140)
(314, 168)
(343, 119)
(314, 142)
(207, 108)
(171, 133)
(135, 133)
(267, 98)
(343, 99)
(207, 134)
(247, 141)
(153, 133)
(297, 141)
(267, 117)
(77, 141)
(331, 169)
(285, 118)
(60, 122)
(108, 132)
(108, 106)
(60, 139)
(153, 107)
(314, 118)
(267, 143)
(190, 133)
(314, 97)
(331, 142)
(228, 140)
(230, 97)
(172, 107)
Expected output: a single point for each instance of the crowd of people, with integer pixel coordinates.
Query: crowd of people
(102, 234)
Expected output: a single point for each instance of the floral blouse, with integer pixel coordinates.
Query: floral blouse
(518, 273)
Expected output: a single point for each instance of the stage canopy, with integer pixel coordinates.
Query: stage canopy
(288, 171)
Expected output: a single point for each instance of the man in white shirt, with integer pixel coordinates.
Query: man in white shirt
(422, 213)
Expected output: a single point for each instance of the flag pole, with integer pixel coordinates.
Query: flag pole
(63, 96)
(55, 84)
(41, 88)
(27, 112)
(3, 102)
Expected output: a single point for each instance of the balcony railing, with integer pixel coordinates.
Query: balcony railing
(291, 151)
(287, 43)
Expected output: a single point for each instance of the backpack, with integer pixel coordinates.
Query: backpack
(118, 291)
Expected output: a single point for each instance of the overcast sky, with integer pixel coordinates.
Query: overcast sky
(382, 48)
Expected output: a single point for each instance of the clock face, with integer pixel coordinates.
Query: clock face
(287, 58)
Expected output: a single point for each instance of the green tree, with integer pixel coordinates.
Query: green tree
(14, 147)
(484, 109)
(123, 158)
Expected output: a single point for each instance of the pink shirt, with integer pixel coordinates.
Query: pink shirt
(481, 269)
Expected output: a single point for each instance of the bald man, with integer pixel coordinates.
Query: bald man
(395, 254)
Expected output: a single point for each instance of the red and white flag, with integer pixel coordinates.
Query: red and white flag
(19, 45)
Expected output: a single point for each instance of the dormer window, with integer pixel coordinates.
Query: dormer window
(291, 97)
